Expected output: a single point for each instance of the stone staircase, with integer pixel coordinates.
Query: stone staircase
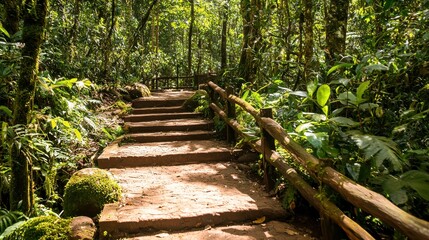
(180, 183)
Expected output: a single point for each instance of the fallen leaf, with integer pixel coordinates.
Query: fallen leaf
(291, 232)
(162, 235)
(259, 220)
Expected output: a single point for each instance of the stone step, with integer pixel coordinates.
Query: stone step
(176, 109)
(149, 102)
(170, 136)
(267, 230)
(165, 153)
(175, 198)
(160, 116)
(169, 125)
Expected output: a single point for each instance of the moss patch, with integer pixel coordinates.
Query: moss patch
(45, 228)
(88, 190)
(199, 102)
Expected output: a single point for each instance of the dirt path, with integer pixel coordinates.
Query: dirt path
(180, 183)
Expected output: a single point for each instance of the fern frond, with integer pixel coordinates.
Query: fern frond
(378, 148)
(8, 218)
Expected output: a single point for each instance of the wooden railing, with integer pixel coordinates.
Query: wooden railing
(180, 82)
(359, 196)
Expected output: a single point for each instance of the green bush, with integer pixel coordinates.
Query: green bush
(88, 190)
(44, 228)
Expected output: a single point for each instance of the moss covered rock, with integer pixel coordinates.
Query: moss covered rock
(199, 102)
(44, 228)
(88, 190)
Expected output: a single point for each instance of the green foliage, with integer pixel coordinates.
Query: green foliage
(44, 228)
(378, 148)
(88, 190)
(8, 219)
(199, 102)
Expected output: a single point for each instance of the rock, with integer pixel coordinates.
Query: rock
(82, 228)
(138, 90)
(88, 190)
(249, 157)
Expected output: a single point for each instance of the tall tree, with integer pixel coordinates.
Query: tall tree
(252, 38)
(308, 37)
(35, 12)
(336, 29)
(191, 29)
(223, 54)
(11, 23)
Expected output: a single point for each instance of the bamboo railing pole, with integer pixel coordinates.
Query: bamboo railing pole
(323, 205)
(370, 201)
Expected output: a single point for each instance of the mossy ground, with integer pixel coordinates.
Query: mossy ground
(44, 228)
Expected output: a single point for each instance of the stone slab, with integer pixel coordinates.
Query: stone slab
(169, 125)
(165, 153)
(160, 116)
(184, 197)
(273, 230)
(170, 136)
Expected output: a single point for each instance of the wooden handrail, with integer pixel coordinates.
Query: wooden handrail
(361, 197)
(323, 205)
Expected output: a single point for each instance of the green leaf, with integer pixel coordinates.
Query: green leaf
(361, 90)
(375, 67)
(298, 93)
(323, 94)
(341, 65)
(316, 139)
(78, 134)
(53, 123)
(399, 197)
(311, 88)
(347, 98)
(3, 30)
(303, 127)
(419, 181)
(6, 110)
(325, 110)
(344, 122)
(378, 148)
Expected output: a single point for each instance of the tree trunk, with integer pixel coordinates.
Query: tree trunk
(73, 31)
(108, 46)
(251, 14)
(223, 53)
(34, 25)
(11, 23)
(336, 29)
(191, 29)
(308, 38)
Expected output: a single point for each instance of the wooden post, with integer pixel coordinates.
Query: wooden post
(195, 83)
(230, 110)
(267, 143)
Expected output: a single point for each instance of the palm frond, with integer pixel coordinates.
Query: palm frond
(378, 148)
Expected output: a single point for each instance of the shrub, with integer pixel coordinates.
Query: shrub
(88, 190)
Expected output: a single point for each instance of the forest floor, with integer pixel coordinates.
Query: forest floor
(190, 187)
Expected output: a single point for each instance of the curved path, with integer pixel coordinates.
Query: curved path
(180, 183)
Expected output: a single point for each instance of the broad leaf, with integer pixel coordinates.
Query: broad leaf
(347, 98)
(378, 148)
(323, 94)
(6, 110)
(311, 88)
(3, 30)
(361, 90)
(344, 122)
(341, 65)
(419, 181)
(375, 67)
(303, 127)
